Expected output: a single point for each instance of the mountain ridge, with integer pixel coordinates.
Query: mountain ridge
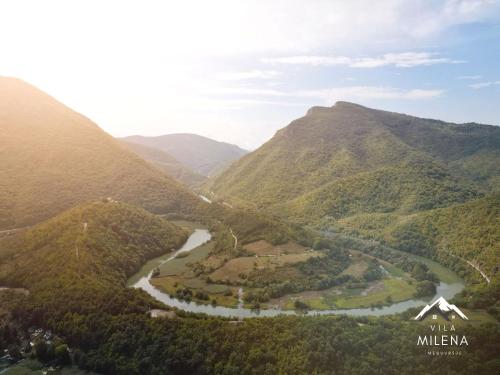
(167, 163)
(386, 176)
(335, 142)
(201, 154)
(54, 158)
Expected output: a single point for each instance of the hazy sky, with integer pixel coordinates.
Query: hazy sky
(239, 70)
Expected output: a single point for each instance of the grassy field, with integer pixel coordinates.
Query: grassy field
(357, 267)
(397, 289)
(170, 284)
(265, 248)
(393, 270)
(337, 298)
(178, 274)
(32, 367)
(179, 265)
(232, 269)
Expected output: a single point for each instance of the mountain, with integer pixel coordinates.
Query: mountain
(53, 158)
(167, 163)
(419, 185)
(348, 159)
(203, 155)
(103, 240)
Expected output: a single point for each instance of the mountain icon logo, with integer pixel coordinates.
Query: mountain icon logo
(443, 308)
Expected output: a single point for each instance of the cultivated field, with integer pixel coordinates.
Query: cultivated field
(265, 248)
(234, 268)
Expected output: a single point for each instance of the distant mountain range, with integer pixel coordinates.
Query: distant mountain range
(415, 183)
(53, 158)
(202, 155)
(167, 163)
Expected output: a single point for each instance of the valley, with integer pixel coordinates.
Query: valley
(142, 259)
(223, 291)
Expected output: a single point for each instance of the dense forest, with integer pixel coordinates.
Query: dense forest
(132, 343)
(350, 142)
(468, 231)
(107, 239)
(404, 188)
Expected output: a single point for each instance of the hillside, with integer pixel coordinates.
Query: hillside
(202, 155)
(350, 159)
(469, 231)
(54, 158)
(106, 241)
(167, 163)
(403, 188)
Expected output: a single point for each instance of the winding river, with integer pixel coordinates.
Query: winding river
(450, 285)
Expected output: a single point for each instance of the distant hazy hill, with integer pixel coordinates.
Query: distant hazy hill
(167, 163)
(203, 155)
(52, 158)
(346, 160)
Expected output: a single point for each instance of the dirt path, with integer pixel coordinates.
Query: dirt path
(18, 290)
(8, 232)
(240, 297)
(85, 225)
(227, 205)
(473, 265)
(235, 239)
(205, 199)
(476, 267)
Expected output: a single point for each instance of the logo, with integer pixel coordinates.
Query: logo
(443, 308)
(442, 339)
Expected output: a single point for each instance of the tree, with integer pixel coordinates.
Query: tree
(425, 288)
(62, 355)
(299, 305)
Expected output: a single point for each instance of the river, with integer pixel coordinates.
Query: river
(450, 285)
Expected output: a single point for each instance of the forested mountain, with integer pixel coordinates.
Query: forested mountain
(167, 163)
(104, 241)
(413, 183)
(53, 158)
(469, 231)
(203, 155)
(350, 159)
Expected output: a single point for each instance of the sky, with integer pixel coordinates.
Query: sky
(237, 71)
